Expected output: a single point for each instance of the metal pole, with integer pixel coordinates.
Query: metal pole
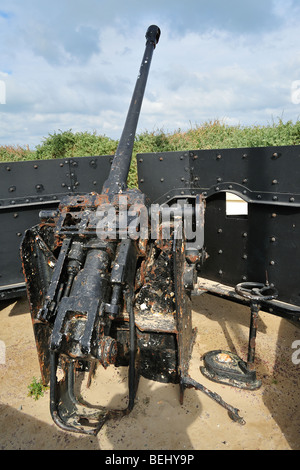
(252, 335)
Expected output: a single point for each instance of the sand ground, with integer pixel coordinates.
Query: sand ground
(158, 421)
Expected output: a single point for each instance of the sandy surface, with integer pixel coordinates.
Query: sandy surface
(158, 422)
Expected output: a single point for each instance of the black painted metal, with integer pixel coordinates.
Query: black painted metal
(260, 247)
(46, 181)
(28, 187)
(264, 244)
(263, 247)
(117, 179)
(263, 175)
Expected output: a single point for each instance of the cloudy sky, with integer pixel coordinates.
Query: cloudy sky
(72, 64)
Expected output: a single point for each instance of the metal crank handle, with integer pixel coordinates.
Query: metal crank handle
(233, 412)
(256, 292)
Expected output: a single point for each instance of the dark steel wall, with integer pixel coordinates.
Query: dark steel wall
(28, 187)
(262, 246)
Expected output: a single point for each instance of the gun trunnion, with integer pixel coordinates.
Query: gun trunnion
(102, 291)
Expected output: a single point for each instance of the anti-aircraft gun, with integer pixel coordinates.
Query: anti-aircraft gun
(110, 275)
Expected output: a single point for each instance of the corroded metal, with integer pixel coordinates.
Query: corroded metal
(95, 294)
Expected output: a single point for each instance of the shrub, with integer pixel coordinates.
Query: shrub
(209, 135)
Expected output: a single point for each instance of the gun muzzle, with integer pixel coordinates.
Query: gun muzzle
(117, 179)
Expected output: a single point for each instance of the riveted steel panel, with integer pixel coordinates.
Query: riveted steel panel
(262, 246)
(30, 186)
(259, 175)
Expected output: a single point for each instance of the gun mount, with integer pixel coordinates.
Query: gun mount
(110, 274)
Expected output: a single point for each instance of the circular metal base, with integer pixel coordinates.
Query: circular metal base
(229, 369)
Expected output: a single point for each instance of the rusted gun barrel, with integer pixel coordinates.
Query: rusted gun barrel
(117, 180)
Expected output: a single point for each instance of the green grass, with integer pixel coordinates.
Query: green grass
(210, 135)
(36, 389)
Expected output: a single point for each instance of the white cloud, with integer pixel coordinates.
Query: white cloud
(74, 65)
